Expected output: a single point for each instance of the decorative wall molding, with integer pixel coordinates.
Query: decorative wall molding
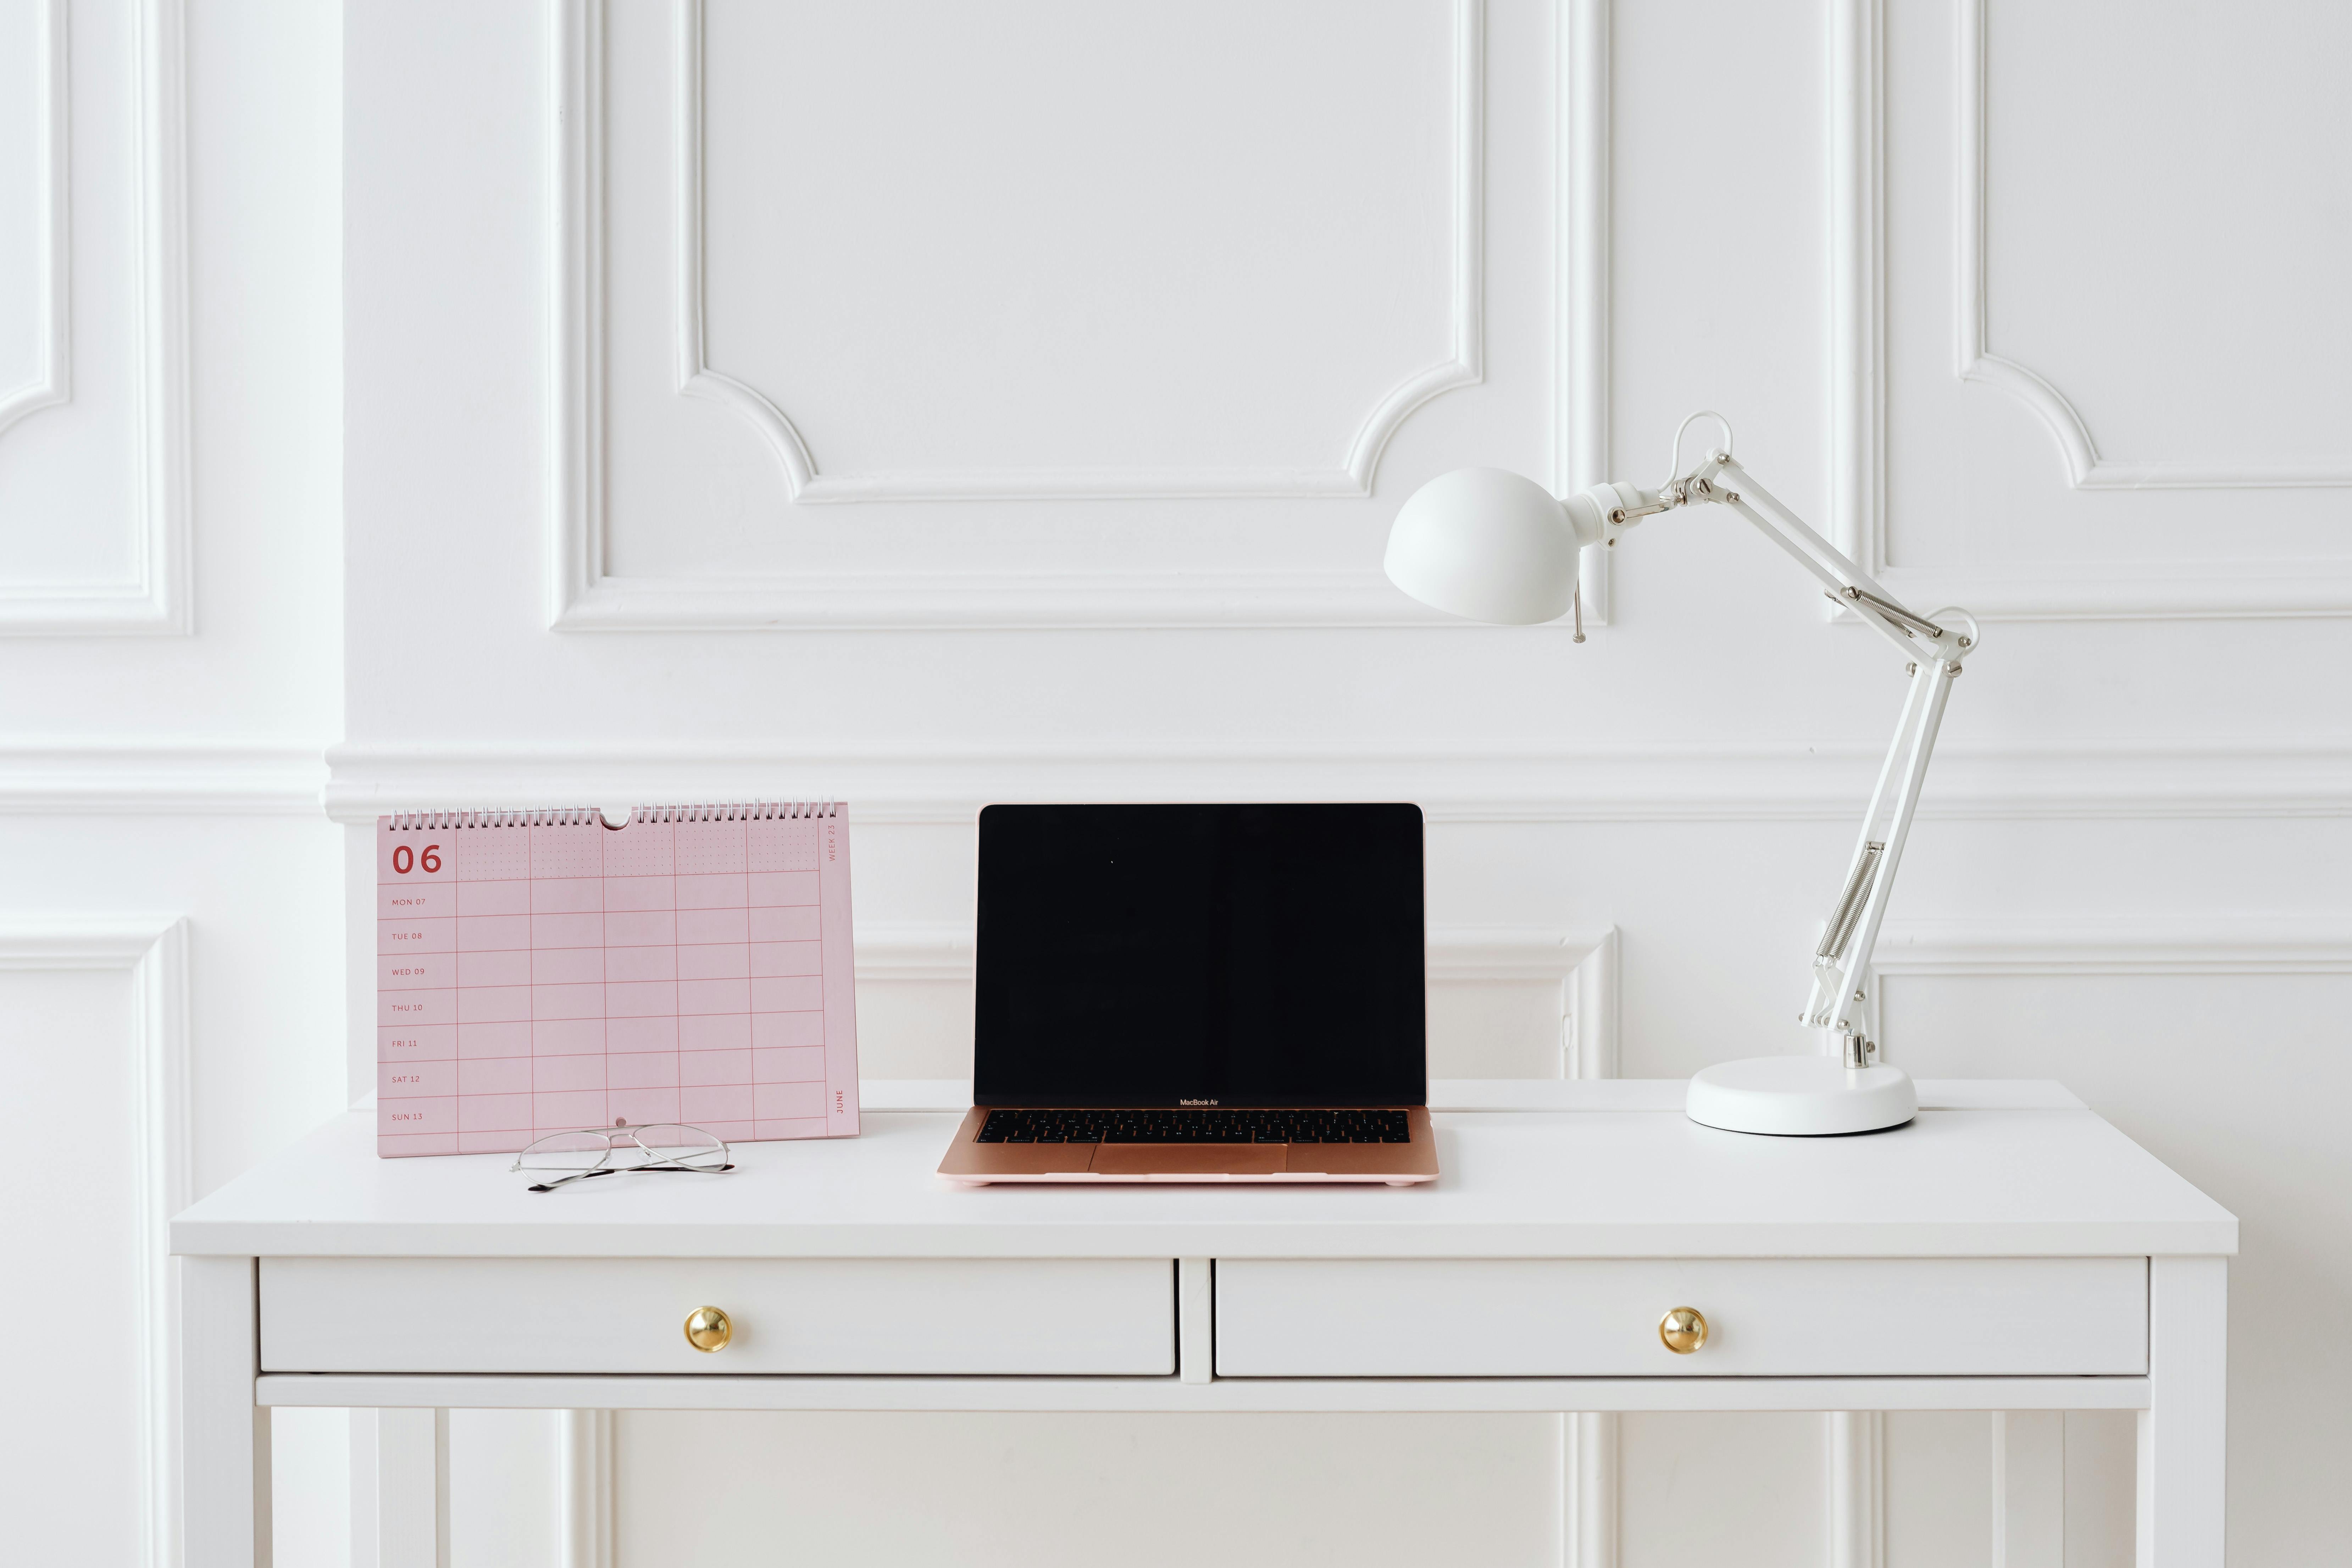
(581, 596)
(153, 950)
(1352, 477)
(914, 952)
(2204, 943)
(1581, 963)
(2086, 470)
(156, 598)
(2131, 591)
(583, 1480)
(1582, 142)
(2062, 590)
(983, 601)
(1590, 1450)
(947, 783)
(1856, 1443)
(112, 778)
(1857, 266)
(53, 380)
(574, 184)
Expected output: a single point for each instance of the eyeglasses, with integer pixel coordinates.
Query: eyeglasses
(562, 1157)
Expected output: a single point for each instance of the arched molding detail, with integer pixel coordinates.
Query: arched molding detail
(156, 597)
(52, 381)
(580, 595)
(1976, 362)
(1353, 479)
(2088, 590)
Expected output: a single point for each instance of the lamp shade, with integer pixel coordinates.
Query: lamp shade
(1486, 544)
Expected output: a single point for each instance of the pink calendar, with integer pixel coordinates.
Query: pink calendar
(540, 972)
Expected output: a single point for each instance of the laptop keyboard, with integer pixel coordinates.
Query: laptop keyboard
(1194, 1125)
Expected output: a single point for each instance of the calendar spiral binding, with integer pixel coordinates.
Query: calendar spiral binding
(584, 816)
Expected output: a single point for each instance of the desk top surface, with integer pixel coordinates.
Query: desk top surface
(1532, 1169)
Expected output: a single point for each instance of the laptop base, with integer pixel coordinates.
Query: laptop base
(973, 1164)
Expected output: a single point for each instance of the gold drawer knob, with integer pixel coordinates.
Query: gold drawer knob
(1684, 1329)
(707, 1329)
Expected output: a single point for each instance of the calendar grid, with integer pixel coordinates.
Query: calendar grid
(538, 973)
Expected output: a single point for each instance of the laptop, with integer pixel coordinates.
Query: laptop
(1198, 994)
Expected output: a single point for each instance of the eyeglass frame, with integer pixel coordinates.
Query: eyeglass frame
(627, 1134)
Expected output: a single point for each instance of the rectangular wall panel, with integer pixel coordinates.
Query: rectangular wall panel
(1273, 234)
(94, 468)
(2081, 338)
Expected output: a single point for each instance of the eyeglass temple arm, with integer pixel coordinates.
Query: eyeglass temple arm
(629, 1171)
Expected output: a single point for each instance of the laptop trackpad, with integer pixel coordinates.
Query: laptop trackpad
(1187, 1158)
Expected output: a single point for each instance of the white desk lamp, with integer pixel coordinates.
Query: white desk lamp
(1489, 545)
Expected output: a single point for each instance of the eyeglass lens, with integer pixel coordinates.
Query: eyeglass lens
(670, 1143)
(583, 1150)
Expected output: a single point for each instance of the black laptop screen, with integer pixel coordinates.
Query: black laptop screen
(1159, 955)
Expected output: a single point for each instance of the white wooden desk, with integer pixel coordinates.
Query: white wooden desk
(2008, 1250)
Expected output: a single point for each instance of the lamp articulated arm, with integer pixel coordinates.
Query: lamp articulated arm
(1494, 546)
(1935, 648)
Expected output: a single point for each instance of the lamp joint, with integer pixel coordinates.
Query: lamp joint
(1902, 620)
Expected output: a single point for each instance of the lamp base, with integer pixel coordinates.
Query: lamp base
(1800, 1097)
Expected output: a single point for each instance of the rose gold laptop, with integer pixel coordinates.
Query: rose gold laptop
(1198, 994)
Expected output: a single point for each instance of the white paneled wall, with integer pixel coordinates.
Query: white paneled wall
(1077, 1489)
(950, 409)
(2160, 446)
(611, 399)
(63, 1041)
(94, 501)
(170, 956)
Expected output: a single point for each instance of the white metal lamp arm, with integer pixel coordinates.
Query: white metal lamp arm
(1935, 647)
(1494, 546)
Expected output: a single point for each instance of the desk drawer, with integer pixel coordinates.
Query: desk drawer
(1108, 1316)
(1511, 1318)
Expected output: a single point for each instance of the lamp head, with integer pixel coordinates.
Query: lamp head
(1489, 545)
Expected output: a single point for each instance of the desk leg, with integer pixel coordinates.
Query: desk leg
(2029, 1488)
(223, 1436)
(400, 1488)
(2183, 1474)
